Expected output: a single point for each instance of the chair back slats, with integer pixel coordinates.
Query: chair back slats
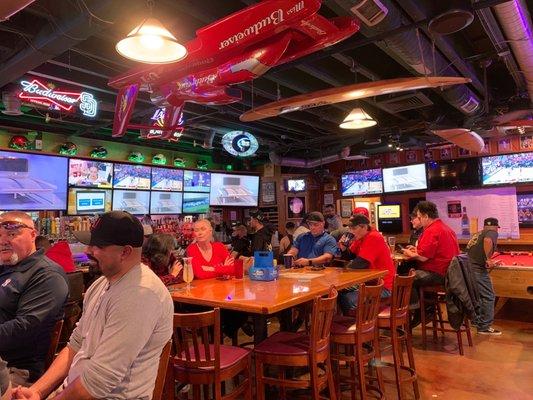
(401, 294)
(321, 318)
(197, 340)
(367, 311)
(54, 340)
(162, 371)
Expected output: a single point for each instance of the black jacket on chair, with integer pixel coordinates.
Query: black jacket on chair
(462, 295)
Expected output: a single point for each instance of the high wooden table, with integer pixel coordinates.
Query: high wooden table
(261, 299)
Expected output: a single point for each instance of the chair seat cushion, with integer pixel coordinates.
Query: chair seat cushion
(384, 313)
(229, 356)
(343, 326)
(285, 343)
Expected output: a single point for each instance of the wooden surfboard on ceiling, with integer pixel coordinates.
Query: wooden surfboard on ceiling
(463, 138)
(347, 93)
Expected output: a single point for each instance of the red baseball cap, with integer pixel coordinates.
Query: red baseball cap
(361, 210)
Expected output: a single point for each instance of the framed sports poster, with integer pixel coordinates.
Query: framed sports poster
(268, 193)
(526, 142)
(346, 208)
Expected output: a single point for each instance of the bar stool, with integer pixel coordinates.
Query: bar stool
(396, 319)
(359, 338)
(437, 296)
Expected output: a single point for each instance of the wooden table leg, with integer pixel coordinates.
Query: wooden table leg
(499, 304)
(260, 328)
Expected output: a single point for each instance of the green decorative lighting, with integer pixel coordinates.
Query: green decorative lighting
(19, 142)
(99, 152)
(159, 159)
(229, 167)
(68, 149)
(136, 156)
(179, 162)
(201, 164)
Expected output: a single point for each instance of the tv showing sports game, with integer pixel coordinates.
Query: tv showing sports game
(406, 178)
(133, 201)
(129, 176)
(360, 183)
(165, 202)
(32, 182)
(195, 203)
(88, 201)
(454, 174)
(196, 181)
(234, 190)
(390, 218)
(295, 185)
(524, 203)
(167, 179)
(508, 168)
(90, 173)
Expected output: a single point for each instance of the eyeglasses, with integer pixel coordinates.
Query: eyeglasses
(12, 225)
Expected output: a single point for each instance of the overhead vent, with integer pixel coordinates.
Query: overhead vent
(371, 12)
(406, 102)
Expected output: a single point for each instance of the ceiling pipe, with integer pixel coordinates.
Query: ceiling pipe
(516, 23)
(8, 8)
(308, 164)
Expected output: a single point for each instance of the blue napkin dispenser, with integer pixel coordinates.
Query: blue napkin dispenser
(263, 268)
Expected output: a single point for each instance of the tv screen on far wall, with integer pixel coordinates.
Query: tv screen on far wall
(359, 183)
(406, 178)
(507, 169)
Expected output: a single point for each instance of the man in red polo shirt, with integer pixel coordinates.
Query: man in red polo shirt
(434, 251)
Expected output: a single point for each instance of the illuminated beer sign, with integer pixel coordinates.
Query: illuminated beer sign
(37, 92)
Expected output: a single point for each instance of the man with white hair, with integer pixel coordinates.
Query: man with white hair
(33, 293)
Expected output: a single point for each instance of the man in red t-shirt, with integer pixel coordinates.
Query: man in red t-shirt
(435, 249)
(372, 252)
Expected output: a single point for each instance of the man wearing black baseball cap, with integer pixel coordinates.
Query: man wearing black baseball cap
(262, 236)
(480, 249)
(113, 353)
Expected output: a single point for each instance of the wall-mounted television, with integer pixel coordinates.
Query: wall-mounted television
(406, 178)
(295, 185)
(88, 201)
(360, 183)
(167, 179)
(32, 182)
(454, 174)
(196, 181)
(234, 190)
(130, 176)
(195, 203)
(390, 218)
(133, 201)
(90, 173)
(524, 203)
(165, 202)
(508, 168)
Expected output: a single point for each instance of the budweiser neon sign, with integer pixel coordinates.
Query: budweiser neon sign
(38, 93)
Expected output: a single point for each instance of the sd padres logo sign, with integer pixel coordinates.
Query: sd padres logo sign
(240, 143)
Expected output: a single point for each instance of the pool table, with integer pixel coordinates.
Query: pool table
(514, 278)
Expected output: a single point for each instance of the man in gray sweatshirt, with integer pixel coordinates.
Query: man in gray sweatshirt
(127, 319)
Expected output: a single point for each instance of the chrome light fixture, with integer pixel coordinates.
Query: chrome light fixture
(151, 43)
(357, 119)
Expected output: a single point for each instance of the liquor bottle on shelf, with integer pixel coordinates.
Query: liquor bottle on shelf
(465, 224)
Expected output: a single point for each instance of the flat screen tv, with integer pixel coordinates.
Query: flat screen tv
(90, 173)
(360, 183)
(454, 174)
(507, 169)
(165, 202)
(167, 179)
(234, 190)
(133, 201)
(196, 181)
(195, 203)
(525, 209)
(130, 176)
(32, 182)
(295, 185)
(406, 178)
(390, 218)
(88, 201)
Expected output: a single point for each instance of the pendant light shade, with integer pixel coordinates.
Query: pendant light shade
(151, 43)
(357, 119)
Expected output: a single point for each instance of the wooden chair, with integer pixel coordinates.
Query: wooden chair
(396, 319)
(434, 296)
(54, 340)
(162, 370)
(200, 359)
(352, 333)
(299, 349)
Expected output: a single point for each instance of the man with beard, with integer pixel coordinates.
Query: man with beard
(113, 353)
(262, 235)
(33, 293)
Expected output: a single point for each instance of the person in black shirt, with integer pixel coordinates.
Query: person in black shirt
(262, 236)
(240, 244)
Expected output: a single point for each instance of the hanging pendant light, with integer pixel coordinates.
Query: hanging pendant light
(151, 43)
(357, 119)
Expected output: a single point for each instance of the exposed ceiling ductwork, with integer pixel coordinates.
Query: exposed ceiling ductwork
(11, 7)
(307, 164)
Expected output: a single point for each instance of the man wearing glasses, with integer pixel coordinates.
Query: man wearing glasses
(33, 293)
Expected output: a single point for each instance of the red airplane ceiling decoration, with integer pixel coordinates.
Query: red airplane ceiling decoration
(235, 49)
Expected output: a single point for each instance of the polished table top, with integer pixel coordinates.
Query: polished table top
(292, 288)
